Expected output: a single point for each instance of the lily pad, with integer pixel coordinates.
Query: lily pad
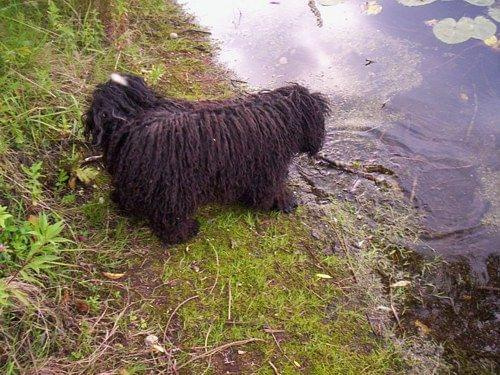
(415, 3)
(494, 12)
(481, 3)
(452, 32)
(483, 28)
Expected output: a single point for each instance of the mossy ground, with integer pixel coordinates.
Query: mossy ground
(247, 276)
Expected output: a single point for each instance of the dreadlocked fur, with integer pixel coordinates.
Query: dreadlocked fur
(167, 157)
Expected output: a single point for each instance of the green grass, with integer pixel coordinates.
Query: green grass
(252, 275)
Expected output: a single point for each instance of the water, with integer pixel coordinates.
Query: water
(425, 109)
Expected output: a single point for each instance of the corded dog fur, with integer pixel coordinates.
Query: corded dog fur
(167, 157)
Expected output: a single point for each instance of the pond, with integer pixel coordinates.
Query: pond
(415, 86)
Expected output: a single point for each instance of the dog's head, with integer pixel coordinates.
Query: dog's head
(314, 108)
(114, 104)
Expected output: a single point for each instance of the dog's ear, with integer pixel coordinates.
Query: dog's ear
(95, 127)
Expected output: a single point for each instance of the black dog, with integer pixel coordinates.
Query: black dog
(167, 157)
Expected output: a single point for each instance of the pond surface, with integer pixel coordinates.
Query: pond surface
(428, 110)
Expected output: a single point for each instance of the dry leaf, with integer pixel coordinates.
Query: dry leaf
(72, 183)
(159, 348)
(82, 306)
(296, 363)
(113, 276)
(33, 219)
(241, 352)
(401, 283)
(423, 329)
(323, 276)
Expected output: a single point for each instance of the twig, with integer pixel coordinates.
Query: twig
(273, 367)
(174, 312)
(206, 337)
(91, 159)
(270, 330)
(218, 266)
(347, 168)
(315, 12)
(195, 31)
(230, 300)
(206, 349)
(217, 349)
(394, 312)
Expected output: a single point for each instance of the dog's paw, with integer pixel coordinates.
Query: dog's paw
(286, 205)
(182, 232)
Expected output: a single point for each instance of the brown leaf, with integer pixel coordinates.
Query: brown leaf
(72, 183)
(82, 306)
(33, 219)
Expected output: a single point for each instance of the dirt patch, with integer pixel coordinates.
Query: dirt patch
(237, 361)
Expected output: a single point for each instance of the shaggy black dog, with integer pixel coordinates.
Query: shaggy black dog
(167, 157)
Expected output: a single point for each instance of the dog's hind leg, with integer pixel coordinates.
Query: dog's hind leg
(176, 231)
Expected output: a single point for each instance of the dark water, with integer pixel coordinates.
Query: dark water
(426, 109)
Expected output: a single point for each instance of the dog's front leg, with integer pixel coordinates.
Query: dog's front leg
(176, 231)
(284, 200)
(278, 198)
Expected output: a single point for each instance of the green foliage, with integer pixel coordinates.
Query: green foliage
(62, 179)
(34, 174)
(31, 248)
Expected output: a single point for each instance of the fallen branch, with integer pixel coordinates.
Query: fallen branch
(337, 164)
(91, 159)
